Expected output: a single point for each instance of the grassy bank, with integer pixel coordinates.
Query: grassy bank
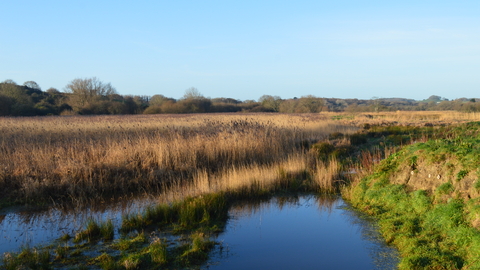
(426, 199)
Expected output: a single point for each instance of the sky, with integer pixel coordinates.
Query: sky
(246, 49)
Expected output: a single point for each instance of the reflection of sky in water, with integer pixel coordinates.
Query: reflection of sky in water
(286, 233)
(306, 234)
(19, 228)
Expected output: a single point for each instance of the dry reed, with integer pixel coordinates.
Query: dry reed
(82, 158)
(76, 158)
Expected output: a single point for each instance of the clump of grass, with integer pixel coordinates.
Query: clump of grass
(28, 258)
(107, 262)
(197, 252)
(133, 261)
(323, 150)
(133, 243)
(61, 252)
(95, 231)
(158, 252)
(461, 174)
(191, 213)
(445, 189)
(358, 139)
(66, 237)
(327, 176)
(477, 185)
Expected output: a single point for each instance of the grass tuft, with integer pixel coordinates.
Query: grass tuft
(95, 231)
(28, 258)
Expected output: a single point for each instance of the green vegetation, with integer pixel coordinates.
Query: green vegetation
(427, 208)
(28, 258)
(206, 211)
(95, 231)
(87, 96)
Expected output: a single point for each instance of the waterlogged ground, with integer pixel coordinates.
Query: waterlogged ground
(28, 227)
(305, 232)
(301, 233)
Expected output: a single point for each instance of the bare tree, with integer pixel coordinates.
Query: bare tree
(158, 100)
(192, 93)
(86, 91)
(312, 104)
(53, 91)
(32, 84)
(9, 81)
(271, 102)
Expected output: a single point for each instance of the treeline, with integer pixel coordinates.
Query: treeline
(92, 96)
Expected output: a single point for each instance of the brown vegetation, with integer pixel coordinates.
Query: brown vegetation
(82, 158)
(75, 158)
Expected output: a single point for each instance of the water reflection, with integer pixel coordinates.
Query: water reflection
(286, 232)
(306, 232)
(21, 226)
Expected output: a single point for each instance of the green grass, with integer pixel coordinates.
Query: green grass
(445, 189)
(430, 233)
(206, 211)
(95, 231)
(158, 252)
(428, 236)
(477, 185)
(27, 258)
(196, 252)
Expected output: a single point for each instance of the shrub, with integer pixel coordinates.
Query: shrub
(357, 139)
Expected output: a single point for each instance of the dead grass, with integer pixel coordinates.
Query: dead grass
(419, 118)
(79, 158)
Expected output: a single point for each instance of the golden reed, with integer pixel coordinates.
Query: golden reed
(79, 158)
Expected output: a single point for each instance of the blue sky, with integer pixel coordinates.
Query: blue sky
(245, 49)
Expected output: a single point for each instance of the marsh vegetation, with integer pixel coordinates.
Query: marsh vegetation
(197, 166)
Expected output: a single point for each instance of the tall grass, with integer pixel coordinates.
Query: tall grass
(80, 158)
(45, 159)
(327, 176)
(95, 231)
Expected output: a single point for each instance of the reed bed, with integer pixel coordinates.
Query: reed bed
(83, 158)
(405, 117)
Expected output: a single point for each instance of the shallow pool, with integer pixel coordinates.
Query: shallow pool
(306, 232)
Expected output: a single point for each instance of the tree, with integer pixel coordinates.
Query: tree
(192, 93)
(158, 100)
(53, 91)
(16, 92)
(270, 102)
(32, 85)
(6, 104)
(84, 92)
(9, 81)
(312, 104)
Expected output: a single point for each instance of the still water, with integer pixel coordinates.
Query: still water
(306, 232)
(295, 232)
(28, 227)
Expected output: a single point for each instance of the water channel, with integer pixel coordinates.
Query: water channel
(306, 232)
(299, 232)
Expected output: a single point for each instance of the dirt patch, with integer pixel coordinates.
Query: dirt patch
(429, 177)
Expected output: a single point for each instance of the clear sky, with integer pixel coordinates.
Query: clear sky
(245, 49)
